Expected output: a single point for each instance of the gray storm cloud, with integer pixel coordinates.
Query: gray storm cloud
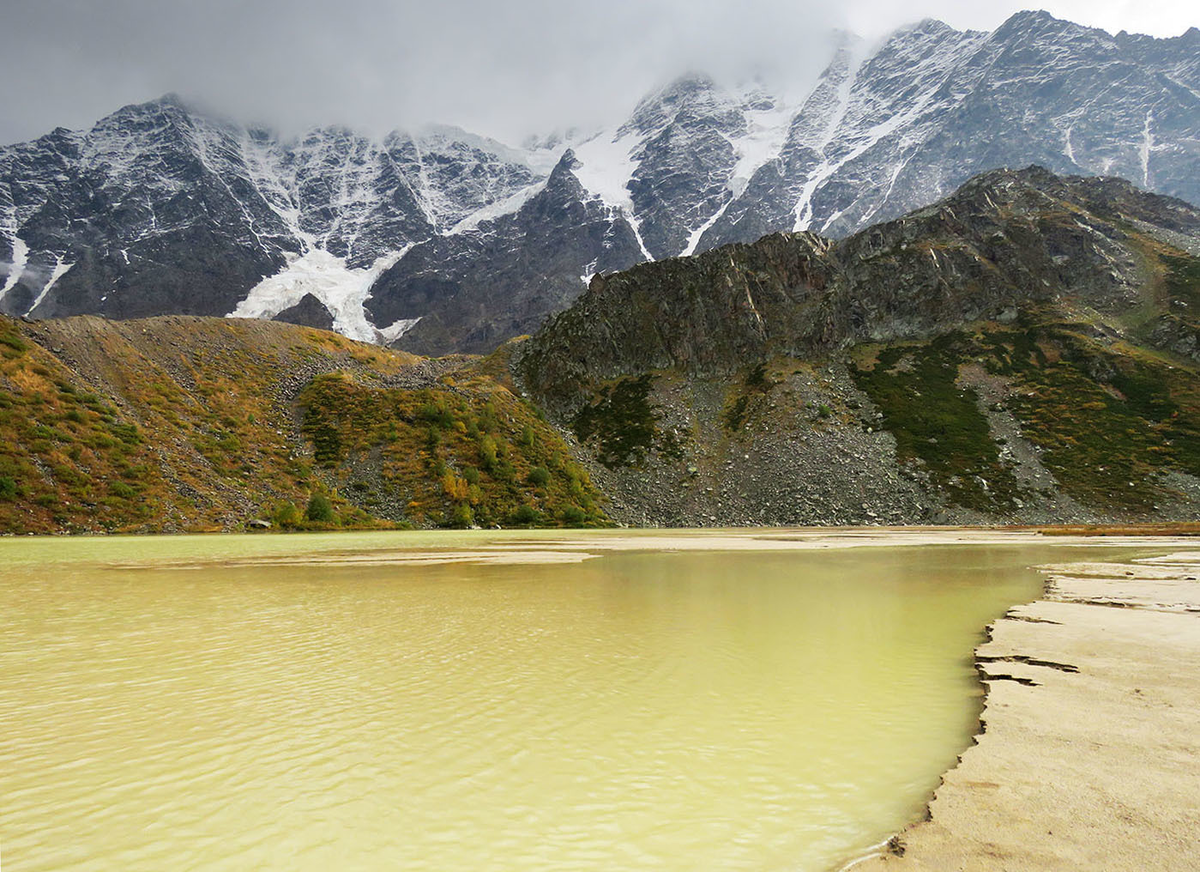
(506, 69)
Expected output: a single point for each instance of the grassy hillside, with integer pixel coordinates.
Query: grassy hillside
(195, 424)
(463, 451)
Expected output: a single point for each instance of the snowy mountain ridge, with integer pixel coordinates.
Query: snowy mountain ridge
(444, 240)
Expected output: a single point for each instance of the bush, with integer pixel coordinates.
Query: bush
(526, 515)
(573, 516)
(122, 490)
(320, 509)
(8, 488)
(539, 476)
(286, 515)
(462, 516)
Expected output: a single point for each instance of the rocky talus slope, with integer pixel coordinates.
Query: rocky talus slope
(1021, 352)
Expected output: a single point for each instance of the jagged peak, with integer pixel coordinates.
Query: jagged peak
(169, 102)
(929, 26)
(1188, 37)
(1033, 23)
(1026, 17)
(171, 98)
(660, 106)
(563, 180)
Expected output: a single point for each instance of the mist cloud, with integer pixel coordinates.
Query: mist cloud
(506, 69)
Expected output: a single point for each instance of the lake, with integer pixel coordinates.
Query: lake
(485, 701)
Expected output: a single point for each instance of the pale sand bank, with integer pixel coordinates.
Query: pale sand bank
(569, 546)
(1090, 757)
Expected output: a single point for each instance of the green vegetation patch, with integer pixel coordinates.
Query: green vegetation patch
(757, 384)
(623, 424)
(938, 422)
(1183, 280)
(1109, 419)
(67, 460)
(452, 455)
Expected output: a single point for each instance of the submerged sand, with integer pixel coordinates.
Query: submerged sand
(1090, 754)
(568, 546)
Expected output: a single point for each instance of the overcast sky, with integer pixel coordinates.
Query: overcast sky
(501, 67)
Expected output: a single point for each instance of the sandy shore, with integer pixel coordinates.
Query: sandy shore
(568, 546)
(1090, 754)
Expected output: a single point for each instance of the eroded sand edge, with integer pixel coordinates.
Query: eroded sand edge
(1090, 752)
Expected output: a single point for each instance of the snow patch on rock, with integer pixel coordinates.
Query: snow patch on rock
(20, 257)
(606, 163)
(60, 269)
(342, 289)
(497, 209)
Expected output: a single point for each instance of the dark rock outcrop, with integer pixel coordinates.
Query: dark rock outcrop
(475, 289)
(1005, 240)
(309, 312)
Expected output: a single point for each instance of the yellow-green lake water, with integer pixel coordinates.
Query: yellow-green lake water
(344, 702)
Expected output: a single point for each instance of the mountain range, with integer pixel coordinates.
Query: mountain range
(441, 241)
(1026, 350)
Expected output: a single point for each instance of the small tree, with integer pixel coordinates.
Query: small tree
(526, 515)
(539, 476)
(488, 453)
(320, 509)
(286, 515)
(462, 516)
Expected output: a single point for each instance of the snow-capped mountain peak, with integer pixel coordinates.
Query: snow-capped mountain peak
(162, 207)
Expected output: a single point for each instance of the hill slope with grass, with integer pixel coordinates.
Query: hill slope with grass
(185, 423)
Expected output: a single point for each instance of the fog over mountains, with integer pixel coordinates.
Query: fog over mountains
(440, 240)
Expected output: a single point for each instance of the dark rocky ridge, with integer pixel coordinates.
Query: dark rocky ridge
(1010, 354)
(1005, 240)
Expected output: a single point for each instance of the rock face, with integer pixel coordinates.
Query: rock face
(1004, 241)
(1017, 352)
(475, 289)
(885, 133)
(162, 209)
(309, 312)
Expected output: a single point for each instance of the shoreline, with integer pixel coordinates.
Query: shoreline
(1157, 530)
(529, 546)
(1087, 753)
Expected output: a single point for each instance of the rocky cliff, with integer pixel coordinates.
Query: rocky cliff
(1020, 352)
